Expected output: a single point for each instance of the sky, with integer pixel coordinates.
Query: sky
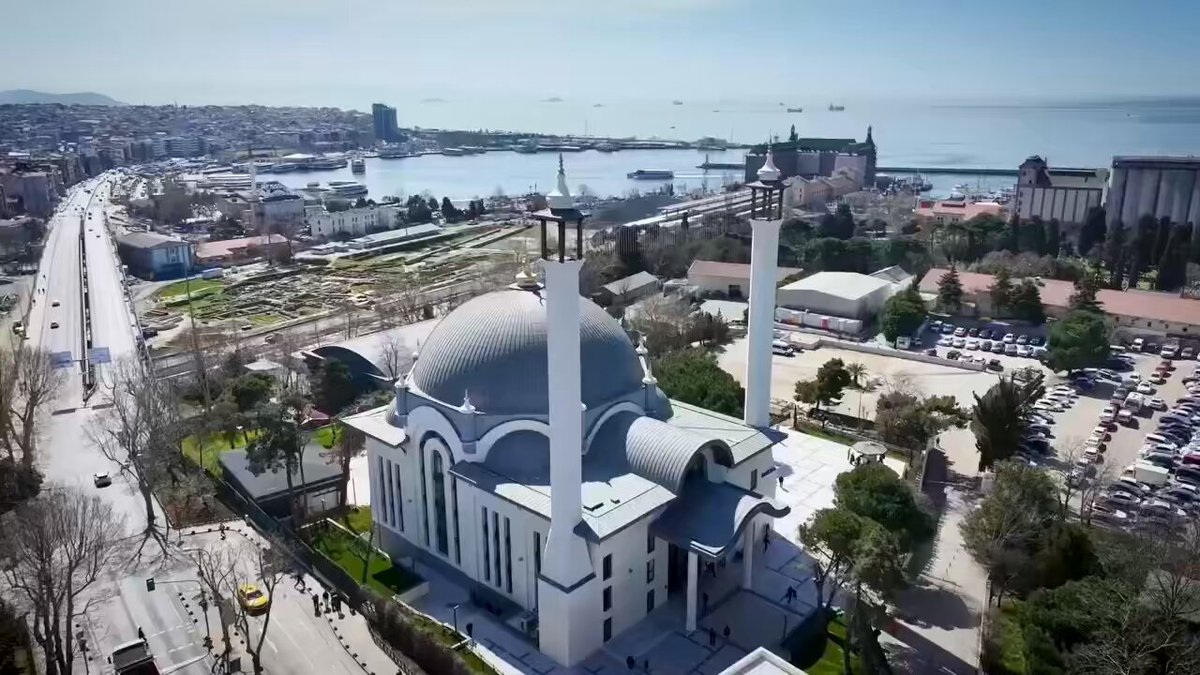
(349, 53)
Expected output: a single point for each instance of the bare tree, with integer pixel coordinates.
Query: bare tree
(216, 568)
(395, 354)
(140, 430)
(34, 383)
(348, 444)
(350, 320)
(263, 567)
(55, 547)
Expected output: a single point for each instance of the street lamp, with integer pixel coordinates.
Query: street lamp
(454, 609)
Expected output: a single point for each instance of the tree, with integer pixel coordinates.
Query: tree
(418, 211)
(831, 535)
(1000, 417)
(266, 567)
(1053, 237)
(334, 388)
(216, 568)
(855, 370)
(1001, 534)
(1083, 298)
(224, 420)
(18, 483)
(950, 291)
(280, 444)
(251, 390)
(348, 443)
(28, 382)
(1080, 340)
(1094, 229)
(140, 430)
(54, 548)
(693, 376)
(1033, 236)
(394, 353)
(838, 225)
(1001, 292)
(903, 314)
(903, 419)
(826, 388)
(874, 491)
(1027, 302)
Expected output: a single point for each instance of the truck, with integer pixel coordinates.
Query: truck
(1150, 474)
(1134, 402)
(133, 658)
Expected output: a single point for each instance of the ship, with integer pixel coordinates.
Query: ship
(393, 153)
(327, 162)
(453, 152)
(676, 102)
(795, 110)
(650, 174)
(347, 188)
(836, 108)
(527, 148)
(608, 147)
(707, 165)
(358, 165)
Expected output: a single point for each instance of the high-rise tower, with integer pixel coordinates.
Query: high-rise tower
(766, 216)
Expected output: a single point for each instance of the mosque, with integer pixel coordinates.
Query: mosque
(530, 450)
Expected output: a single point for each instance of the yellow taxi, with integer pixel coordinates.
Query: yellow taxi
(252, 598)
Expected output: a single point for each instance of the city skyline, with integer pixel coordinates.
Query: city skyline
(277, 53)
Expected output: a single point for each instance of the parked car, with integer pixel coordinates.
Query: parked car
(973, 345)
(1022, 339)
(1125, 417)
(782, 348)
(1023, 350)
(1010, 349)
(997, 347)
(994, 364)
(953, 354)
(1009, 338)
(946, 342)
(1187, 353)
(931, 352)
(947, 328)
(960, 332)
(973, 332)
(1037, 341)
(1145, 388)
(986, 333)
(101, 480)
(960, 342)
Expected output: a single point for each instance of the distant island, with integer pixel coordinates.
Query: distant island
(28, 96)
(552, 99)
(433, 100)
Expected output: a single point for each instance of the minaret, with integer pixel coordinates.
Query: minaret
(567, 602)
(766, 216)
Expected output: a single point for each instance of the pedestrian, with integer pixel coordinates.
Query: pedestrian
(704, 603)
(141, 633)
(712, 637)
(781, 482)
(316, 605)
(646, 665)
(766, 539)
(727, 633)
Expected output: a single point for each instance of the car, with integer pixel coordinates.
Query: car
(252, 599)
(1108, 416)
(1157, 378)
(1010, 349)
(973, 345)
(101, 480)
(1132, 378)
(986, 333)
(960, 342)
(946, 342)
(55, 303)
(1009, 338)
(985, 345)
(1120, 393)
(1121, 499)
(974, 332)
(1187, 353)
(1156, 403)
(1165, 461)
(1167, 352)
(953, 354)
(947, 328)
(782, 348)
(1022, 339)
(1049, 406)
(1038, 427)
(54, 324)
(1145, 388)
(931, 352)
(935, 325)
(1102, 433)
(1125, 417)
(961, 331)
(997, 347)
(1023, 350)
(994, 364)
(1036, 341)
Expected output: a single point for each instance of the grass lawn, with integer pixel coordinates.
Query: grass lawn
(1011, 640)
(382, 575)
(832, 658)
(198, 286)
(358, 519)
(212, 447)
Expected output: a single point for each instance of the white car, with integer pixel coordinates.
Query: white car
(1156, 403)
(1010, 349)
(1023, 350)
(1133, 378)
(959, 342)
(1048, 405)
(1009, 338)
(1145, 388)
(946, 342)
(973, 345)
(101, 480)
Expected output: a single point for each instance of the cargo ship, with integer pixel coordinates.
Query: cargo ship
(650, 174)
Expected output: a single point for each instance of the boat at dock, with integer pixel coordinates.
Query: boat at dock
(650, 174)
(708, 166)
(608, 147)
(358, 165)
(394, 153)
(347, 188)
(453, 152)
(795, 110)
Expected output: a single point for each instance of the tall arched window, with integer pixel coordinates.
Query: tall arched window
(439, 503)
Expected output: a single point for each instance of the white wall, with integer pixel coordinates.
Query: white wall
(354, 222)
(720, 284)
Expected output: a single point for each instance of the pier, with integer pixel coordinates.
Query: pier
(945, 170)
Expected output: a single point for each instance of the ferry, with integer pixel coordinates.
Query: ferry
(650, 174)
(327, 162)
(347, 188)
(795, 110)
(393, 153)
(527, 148)
(358, 165)
(453, 152)
(676, 102)
(836, 108)
(607, 147)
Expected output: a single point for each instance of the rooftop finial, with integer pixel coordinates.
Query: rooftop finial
(768, 172)
(466, 406)
(560, 196)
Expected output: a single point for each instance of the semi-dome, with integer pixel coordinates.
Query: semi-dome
(493, 348)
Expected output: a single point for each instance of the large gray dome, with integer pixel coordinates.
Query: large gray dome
(494, 348)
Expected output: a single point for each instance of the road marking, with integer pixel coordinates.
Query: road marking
(180, 666)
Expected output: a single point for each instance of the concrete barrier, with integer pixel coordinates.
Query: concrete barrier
(900, 354)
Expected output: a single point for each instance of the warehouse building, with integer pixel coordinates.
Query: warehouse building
(844, 294)
(731, 280)
(153, 256)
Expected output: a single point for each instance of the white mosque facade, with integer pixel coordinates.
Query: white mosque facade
(531, 450)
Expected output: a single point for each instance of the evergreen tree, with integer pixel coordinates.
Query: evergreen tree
(1034, 237)
(1001, 292)
(950, 290)
(1086, 288)
(1027, 302)
(1053, 238)
(1094, 230)
(1014, 234)
(1115, 255)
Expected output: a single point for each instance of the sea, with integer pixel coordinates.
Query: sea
(1084, 133)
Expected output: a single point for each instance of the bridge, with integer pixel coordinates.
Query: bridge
(945, 170)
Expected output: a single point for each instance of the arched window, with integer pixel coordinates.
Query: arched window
(439, 503)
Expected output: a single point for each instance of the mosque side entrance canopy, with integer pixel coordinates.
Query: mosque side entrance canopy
(707, 518)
